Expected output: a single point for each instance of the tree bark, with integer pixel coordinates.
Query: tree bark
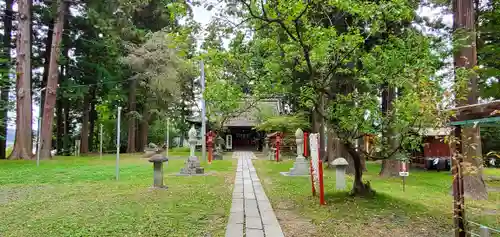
(7, 42)
(84, 135)
(358, 188)
(51, 89)
(143, 138)
(132, 107)
(23, 143)
(93, 117)
(390, 166)
(318, 126)
(46, 64)
(465, 56)
(59, 126)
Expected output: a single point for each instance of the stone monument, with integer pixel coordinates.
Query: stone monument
(265, 150)
(192, 165)
(340, 167)
(157, 161)
(301, 166)
(218, 153)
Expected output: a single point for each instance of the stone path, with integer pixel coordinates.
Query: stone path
(251, 212)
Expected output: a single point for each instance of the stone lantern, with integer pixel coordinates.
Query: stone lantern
(157, 161)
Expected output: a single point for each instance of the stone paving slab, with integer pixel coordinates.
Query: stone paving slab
(251, 212)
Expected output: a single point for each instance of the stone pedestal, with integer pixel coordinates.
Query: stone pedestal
(300, 167)
(157, 161)
(192, 166)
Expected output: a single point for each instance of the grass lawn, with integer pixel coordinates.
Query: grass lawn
(70, 196)
(424, 209)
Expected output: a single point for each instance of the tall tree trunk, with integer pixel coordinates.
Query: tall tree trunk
(23, 143)
(319, 126)
(59, 125)
(466, 57)
(93, 117)
(60, 98)
(46, 63)
(51, 89)
(138, 144)
(390, 166)
(5, 86)
(132, 107)
(84, 139)
(144, 129)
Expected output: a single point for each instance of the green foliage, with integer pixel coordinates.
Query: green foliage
(488, 48)
(284, 123)
(347, 52)
(158, 132)
(160, 63)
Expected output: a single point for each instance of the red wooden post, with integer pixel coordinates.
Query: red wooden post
(312, 178)
(305, 144)
(321, 186)
(210, 143)
(278, 141)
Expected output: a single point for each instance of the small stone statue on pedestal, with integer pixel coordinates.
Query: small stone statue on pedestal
(192, 163)
(218, 153)
(265, 150)
(301, 166)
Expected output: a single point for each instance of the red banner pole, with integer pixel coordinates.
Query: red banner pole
(210, 145)
(321, 187)
(312, 178)
(305, 145)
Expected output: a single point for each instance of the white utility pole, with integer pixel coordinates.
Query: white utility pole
(118, 144)
(203, 114)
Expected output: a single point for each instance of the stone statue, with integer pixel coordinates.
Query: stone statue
(192, 165)
(299, 139)
(301, 166)
(218, 153)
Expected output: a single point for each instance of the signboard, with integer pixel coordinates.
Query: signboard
(229, 142)
(313, 143)
(404, 170)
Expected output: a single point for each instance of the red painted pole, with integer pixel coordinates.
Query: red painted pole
(312, 178)
(305, 145)
(278, 141)
(210, 145)
(321, 185)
